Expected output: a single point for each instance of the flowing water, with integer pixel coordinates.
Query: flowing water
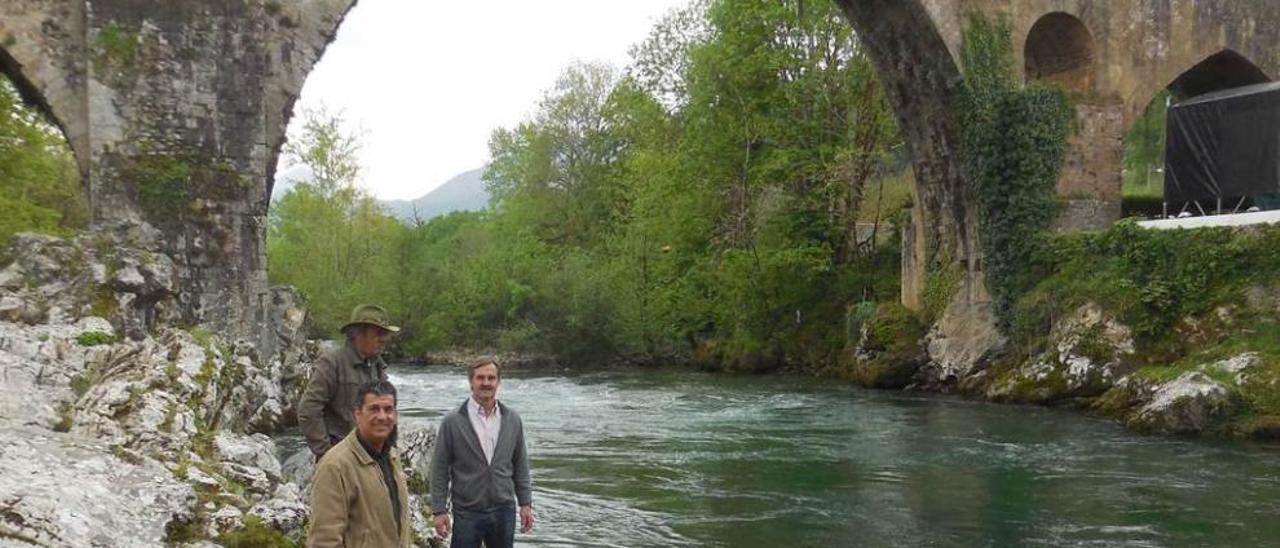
(676, 458)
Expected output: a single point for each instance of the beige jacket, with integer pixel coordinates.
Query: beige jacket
(350, 505)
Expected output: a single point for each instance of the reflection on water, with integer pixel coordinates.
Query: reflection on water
(667, 458)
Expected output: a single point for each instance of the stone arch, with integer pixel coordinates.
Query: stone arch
(42, 52)
(1219, 69)
(1059, 49)
(1223, 70)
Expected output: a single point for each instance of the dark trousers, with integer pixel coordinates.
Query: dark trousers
(496, 527)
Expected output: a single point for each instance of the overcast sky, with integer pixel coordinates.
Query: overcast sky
(426, 81)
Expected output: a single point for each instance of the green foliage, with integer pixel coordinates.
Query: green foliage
(1012, 143)
(1144, 151)
(95, 338)
(895, 330)
(330, 238)
(40, 187)
(203, 336)
(1154, 281)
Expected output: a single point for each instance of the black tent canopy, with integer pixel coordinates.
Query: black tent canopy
(1224, 145)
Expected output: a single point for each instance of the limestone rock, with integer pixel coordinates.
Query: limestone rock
(1185, 405)
(66, 490)
(223, 520)
(285, 511)
(961, 342)
(1091, 346)
(299, 467)
(1238, 366)
(256, 451)
(416, 446)
(254, 479)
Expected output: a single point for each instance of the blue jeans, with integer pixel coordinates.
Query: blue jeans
(496, 527)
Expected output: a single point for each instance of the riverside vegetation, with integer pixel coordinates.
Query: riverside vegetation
(730, 200)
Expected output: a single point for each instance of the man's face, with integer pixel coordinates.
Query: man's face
(484, 383)
(376, 417)
(369, 340)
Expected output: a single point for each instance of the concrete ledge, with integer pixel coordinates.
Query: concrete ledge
(1236, 219)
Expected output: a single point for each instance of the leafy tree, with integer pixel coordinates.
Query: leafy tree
(700, 203)
(327, 236)
(40, 188)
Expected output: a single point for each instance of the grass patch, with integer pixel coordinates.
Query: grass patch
(103, 302)
(202, 336)
(95, 338)
(255, 534)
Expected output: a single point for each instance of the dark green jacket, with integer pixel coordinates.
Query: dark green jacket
(324, 414)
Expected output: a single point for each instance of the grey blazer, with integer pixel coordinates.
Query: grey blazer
(458, 466)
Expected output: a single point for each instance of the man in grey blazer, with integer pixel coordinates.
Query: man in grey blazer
(480, 463)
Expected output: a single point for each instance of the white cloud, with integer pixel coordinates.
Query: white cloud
(427, 81)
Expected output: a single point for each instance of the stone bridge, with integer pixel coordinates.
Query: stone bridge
(1112, 56)
(176, 112)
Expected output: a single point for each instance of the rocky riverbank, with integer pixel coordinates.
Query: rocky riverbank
(120, 427)
(1215, 374)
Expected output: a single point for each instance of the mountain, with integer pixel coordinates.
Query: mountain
(289, 177)
(464, 192)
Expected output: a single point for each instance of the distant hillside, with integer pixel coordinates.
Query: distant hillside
(285, 180)
(464, 192)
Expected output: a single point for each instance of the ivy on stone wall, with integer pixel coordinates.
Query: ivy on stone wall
(116, 47)
(1013, 139)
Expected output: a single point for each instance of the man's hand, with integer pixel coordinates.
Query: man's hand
(526, 519)
(442, 523)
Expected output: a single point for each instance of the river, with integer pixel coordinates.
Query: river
(678, 458)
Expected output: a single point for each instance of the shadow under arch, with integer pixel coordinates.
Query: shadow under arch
(1223, 70)
(1059, 49)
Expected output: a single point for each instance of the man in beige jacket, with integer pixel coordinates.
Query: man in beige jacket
(359, 497)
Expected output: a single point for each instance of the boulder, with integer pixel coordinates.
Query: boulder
(298, 468)
(255, 451)
(1186, 405)
(284, 511)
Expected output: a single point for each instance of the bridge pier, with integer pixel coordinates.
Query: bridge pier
(176, 112)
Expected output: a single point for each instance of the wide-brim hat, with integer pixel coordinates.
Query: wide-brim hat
(369, 314)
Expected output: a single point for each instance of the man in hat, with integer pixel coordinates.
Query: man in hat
(325, 411)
